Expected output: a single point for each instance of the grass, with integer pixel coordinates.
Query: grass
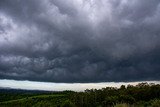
(36, 101)
(33, 97)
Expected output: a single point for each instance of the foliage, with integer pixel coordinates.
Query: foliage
(110, 96)
(156, 103)
(121, 105)
(141, 95)
(68, 103)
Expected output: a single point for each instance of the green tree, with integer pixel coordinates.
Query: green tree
(68, 103)
(155, 103)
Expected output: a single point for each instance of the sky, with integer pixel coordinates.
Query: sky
(79, 41)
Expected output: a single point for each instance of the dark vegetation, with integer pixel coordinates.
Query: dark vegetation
(141, 95)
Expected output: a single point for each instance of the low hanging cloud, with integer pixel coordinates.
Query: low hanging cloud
(80, 40)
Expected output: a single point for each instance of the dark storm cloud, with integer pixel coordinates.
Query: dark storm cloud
(80, 40)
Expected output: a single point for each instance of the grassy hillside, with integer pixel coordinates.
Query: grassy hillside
(12, 98)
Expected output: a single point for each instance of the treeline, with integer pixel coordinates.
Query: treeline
(142, 94)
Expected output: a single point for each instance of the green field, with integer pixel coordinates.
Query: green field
(36, 101)
(24, 98)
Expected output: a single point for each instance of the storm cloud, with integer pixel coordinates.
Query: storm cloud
(80, 40)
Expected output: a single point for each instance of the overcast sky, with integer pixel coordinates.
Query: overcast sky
(80, 41)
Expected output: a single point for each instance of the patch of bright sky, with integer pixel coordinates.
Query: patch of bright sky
(31, 85)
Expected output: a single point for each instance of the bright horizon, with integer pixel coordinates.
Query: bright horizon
(49, 86)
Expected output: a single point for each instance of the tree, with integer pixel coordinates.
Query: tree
(68, 103)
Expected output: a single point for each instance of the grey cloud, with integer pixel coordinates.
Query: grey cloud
(80, 41)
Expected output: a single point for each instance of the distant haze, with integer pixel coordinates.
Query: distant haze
(48, 86)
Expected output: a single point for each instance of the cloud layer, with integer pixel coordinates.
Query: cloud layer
(80, 40)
